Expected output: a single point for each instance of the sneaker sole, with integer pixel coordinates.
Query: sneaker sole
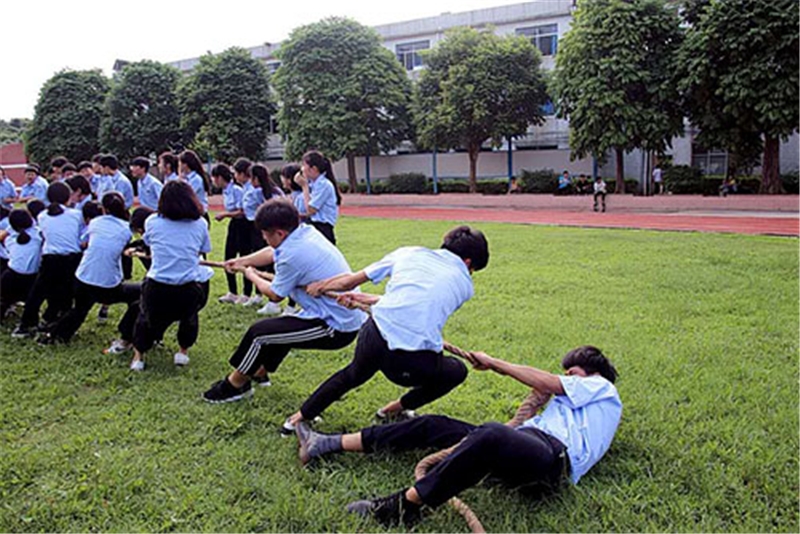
(229, 399)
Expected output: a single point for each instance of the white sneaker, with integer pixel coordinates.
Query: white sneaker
(180, 359)
(229, 298)
(118, 347)
(255, 300)
(242, 300)
(270, 308)
(138, 365)
(290, 311)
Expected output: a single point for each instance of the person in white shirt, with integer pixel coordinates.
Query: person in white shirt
(558, 445)
(599, 192)
(658, 180)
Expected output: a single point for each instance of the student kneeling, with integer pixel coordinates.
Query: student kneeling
(572, 433)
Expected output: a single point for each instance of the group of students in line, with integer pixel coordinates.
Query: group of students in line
(401, 337)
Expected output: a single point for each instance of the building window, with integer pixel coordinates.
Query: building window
(711, 162)
(272, 66)
(408, 54)
(548, 108)
(545, 37)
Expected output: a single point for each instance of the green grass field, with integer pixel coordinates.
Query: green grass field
(703, 329)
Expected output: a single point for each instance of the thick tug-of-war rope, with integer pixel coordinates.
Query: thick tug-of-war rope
(532, 404)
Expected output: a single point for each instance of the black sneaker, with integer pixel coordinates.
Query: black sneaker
(262, 381)
(45, 338)
(224, 391)
(102, 314)
(388, 511)
(22, 333)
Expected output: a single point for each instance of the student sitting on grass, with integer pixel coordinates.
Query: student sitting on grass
(403, 338)
(301, 255)
(572, 433)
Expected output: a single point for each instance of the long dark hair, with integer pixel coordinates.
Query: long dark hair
(114, 204)
(314, 158)
(178, 202)
(20, 220)
(289, 171)
(261, 175)
(223, 171)
(191, 160)
(58, 194)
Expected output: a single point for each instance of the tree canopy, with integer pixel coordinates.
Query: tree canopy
(13, 131)
(478, 87)
(141, 112)
(67, 116)
(340, 92)
(740, 76)
(615, 78)
(225, 106)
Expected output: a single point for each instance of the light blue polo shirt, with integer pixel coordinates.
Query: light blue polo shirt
(252, 199)
(150, 191)
(305, 256)
(24, 259)
(96, 183)
(7, 190)
(299, 202)
(176, 247)
(232, 196)
(119, 183)
(584, 419)
(61, 233)
(37, 189)
(101, 264)
(323, 199)
(425, 288)
(4, 226)
(196, 181)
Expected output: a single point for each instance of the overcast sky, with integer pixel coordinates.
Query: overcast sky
(38, 38)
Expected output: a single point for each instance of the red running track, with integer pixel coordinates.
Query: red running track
(781, 226)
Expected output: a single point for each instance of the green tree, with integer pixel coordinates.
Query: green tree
(341, 92)
(740, 76)
(225, 106)
(141, 112)
(478, 87)
(13, 131)
(67, 116)
(615, 79)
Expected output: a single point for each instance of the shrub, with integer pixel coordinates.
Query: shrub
(541, 181)
(683, 180)
(453, 186)
(790, 182)
(376, 187)
(493, 186)
(407, 183)
(631, 185)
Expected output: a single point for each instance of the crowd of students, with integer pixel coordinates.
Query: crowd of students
(70, 245)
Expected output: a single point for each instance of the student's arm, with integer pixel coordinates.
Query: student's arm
(302, 181)
(3, 235)
(235, 213)
(265, 256)
(541, 381)
(264, 286)
(342, 282)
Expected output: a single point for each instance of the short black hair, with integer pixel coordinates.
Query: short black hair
(35, 207)
(277, 214)
(58, 162)
(68, 167)
(84, 165)
(141, 162)
(32, 167)
(178, 202)
(110, 161)
(138, 217)
(592, 360)
(468, 243)
(79, 183)
(91, 209)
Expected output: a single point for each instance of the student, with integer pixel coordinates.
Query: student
(34, 187)
(168, 167)
(81, 191)
(251, 200)
(68, 171)
(115, 180)
(8, 192)
(263, 188)
(99, 276)
(61, 229)
(191, 170)
(23, 242)
(301, 255)
(4, 226)
(149, 188)
(403, 338)
(138, 217)
(320, 193)
(564, 184)
(292, 188)
(237, 241)
(86, 169)
(561, 444)
(176, 286)
(56, 166)
(35, 207)
(599, 192)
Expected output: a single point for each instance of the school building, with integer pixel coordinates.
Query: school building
(543, 147)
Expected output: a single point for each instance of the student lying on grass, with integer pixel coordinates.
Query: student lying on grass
(572, 433)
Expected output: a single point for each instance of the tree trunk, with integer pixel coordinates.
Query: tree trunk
(474, 151)
(771, 176)
(620, 187)
(351, 172)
